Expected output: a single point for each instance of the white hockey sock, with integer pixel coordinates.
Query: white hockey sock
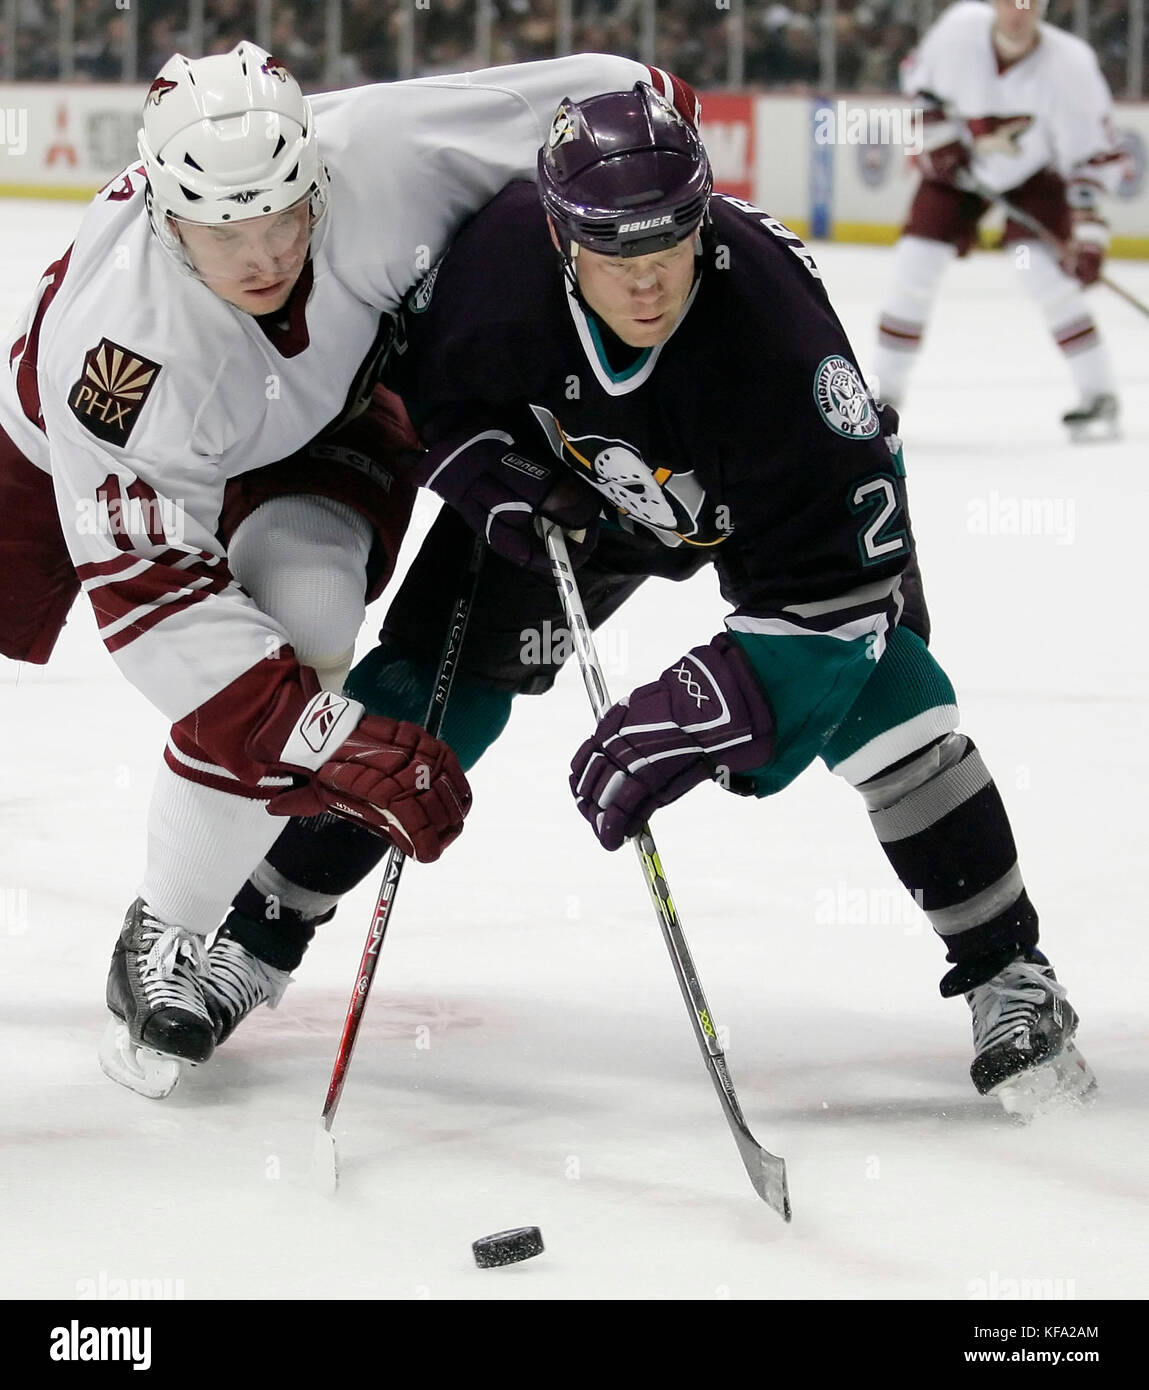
(202, 844)
(1063, 304)
(918, 267)
(304, 562)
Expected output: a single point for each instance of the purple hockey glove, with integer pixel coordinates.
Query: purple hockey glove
(706, 713)
(501, 494)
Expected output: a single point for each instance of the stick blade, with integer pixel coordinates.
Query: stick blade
(767, 1175)
(324, 1162)
(771, 1184)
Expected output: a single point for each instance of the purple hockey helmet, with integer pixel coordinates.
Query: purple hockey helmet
(623, 174)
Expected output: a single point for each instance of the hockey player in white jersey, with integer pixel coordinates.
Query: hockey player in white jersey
(1018, 108)
(227, 303)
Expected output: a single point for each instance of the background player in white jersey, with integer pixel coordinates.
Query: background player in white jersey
(1021, 108)
(227, 301)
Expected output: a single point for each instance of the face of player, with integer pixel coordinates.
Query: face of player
(1015, 25)
(639, 297)
(252, 264)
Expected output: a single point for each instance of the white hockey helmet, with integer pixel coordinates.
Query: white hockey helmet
(227, 138)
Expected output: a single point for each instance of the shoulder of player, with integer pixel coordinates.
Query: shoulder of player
(430, 113)
(765, 264)
(1069, 52)
(112, 345)
(501, 261)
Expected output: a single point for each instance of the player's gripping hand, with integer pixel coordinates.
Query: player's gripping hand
(1084, 254)
(947, 163)
(504, 496)
(388, 774)
(704, 714)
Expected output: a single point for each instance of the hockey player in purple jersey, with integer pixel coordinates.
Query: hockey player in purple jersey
(659, 369)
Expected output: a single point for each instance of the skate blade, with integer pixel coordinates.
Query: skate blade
(1096, 432)
(1065, 1080)
(147, 1073)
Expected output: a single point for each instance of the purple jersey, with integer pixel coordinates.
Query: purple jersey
(748, 432)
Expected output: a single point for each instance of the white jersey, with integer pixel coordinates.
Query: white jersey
(142, 392)
(1052, 109)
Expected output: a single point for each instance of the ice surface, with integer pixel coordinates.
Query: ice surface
(526, 1058)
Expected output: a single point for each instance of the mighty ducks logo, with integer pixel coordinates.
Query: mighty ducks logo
(843, 399)
(564, 127)
(668, 503)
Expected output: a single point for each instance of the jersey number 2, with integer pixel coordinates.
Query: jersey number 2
(879, 497)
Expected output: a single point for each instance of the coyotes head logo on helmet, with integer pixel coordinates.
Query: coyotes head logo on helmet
(158, 90)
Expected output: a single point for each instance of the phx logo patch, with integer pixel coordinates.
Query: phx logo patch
(111, 391)
(274, 68)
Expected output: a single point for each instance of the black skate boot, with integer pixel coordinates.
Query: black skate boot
(1023, 1029)
(237, 982)
(159, 1016)
(1093, 420)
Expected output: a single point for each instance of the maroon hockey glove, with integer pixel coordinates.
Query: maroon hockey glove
(705, 715)
(386, 773)
(1084, 254)
(947, 163)
(502, 495)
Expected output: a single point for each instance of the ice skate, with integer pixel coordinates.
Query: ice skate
(1093, 420)
(159, 1018)
(1023, 1029)
(238, 982)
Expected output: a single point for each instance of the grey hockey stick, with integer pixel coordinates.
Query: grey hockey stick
(767, 1172)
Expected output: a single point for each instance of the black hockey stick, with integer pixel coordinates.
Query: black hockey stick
(325, 1155)
(1055, 244)
(767, 1172)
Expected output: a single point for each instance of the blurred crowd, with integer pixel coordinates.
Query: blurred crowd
(781, 44)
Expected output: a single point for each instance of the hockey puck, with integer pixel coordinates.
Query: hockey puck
(508, 1247)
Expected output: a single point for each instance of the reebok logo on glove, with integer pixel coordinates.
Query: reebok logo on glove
(321, 719)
